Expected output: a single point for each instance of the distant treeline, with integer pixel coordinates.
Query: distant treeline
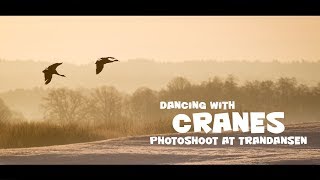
(106, 104)
(105, 112)
(22, 82)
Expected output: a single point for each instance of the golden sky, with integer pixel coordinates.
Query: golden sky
(83, 39)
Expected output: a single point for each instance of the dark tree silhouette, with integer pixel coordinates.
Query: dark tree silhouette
(64, 105)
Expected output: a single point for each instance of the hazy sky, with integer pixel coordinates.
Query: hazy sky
(81, 39)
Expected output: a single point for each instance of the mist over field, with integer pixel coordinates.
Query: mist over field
(262, 64)
(129, 75)
(22, 82)
(123, 100)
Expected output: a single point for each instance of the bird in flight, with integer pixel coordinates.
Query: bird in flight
(49, 71)
(102, 61)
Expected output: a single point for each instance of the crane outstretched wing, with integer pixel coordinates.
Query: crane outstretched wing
(47, 77)
(99, 67)
(54, 66)
(107, 58)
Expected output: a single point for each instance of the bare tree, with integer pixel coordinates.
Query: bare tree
(178, 84)
(144, 104)
(231, 87)
(286, 89)
(105, 104)
(213, 88)
(64, 105)
(178, 88)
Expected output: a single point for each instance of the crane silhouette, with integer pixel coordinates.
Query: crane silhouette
(51, 70)
(102, 61)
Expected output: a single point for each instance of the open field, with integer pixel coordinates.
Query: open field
(137, 150)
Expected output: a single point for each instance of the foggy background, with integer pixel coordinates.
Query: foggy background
(83, 39)
(262, 63)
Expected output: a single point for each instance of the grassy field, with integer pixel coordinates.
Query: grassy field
(35, 134)
(136, 150)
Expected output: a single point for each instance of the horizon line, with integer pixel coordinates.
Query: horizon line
(173, 62)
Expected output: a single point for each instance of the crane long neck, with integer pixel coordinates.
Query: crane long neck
(61, 75)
